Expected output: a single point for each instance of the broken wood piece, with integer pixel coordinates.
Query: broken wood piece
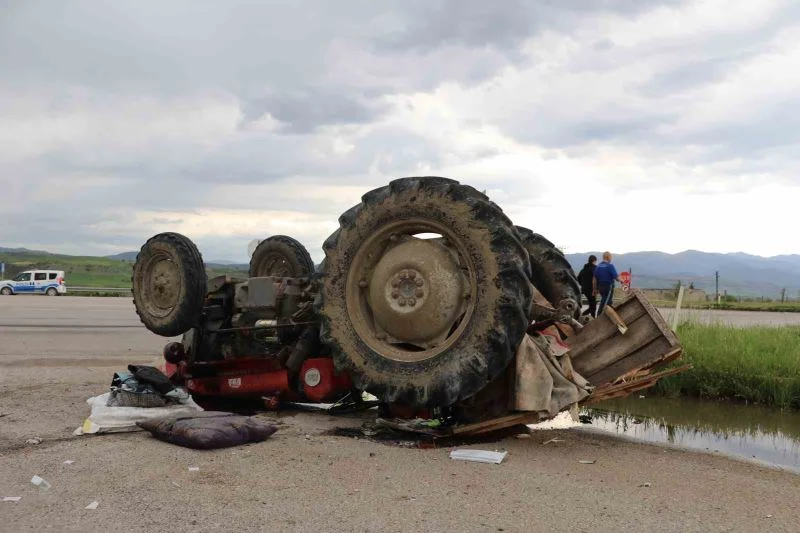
(617, 320)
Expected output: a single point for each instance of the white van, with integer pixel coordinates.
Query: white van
(49, 282)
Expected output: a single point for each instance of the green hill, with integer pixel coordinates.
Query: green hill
(85, 271)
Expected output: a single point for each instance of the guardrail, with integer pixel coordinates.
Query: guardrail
(97, 289)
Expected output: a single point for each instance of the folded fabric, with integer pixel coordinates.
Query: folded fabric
(209, 429)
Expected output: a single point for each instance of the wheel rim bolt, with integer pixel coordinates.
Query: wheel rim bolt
(402, 302)
(419, 282)
(362, 283)
(395, 294)
(412, 301)
(419, 293)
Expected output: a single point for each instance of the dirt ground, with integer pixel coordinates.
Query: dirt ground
(303, 479)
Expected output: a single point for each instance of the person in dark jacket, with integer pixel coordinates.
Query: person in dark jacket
(586, 279)
(605, 275)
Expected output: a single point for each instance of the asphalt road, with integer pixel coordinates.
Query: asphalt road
(305, 479)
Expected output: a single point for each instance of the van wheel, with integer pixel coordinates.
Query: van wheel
(5, 291)
(52, 292)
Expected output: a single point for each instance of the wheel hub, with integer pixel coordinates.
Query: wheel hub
(164, 284)
(416, 293)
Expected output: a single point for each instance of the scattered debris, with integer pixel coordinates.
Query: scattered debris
(68, 462)
(553, 440)
(479, 456)
(308, 437)
(372, 454)
(174, 483)
(92, 505)
(40, 482)
(587, 462)
(34, 440)
(768, 516)
(646, 484)
(562, 420)
(194, 469)
(523, 436)
(12, 498)
(108, 419)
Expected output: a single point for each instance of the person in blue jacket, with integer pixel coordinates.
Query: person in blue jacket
(605, 274)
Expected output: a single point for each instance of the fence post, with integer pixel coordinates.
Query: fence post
(677, 309)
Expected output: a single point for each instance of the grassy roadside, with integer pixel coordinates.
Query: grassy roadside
(757, 364)
(786, 307)
(86, 271)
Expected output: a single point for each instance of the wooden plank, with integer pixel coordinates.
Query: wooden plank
(654, 351)
(602, 328)
(626, 388)
(640, 333)
(617, 320)
(496, 423)
(655, 315)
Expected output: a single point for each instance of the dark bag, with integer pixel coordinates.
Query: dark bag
(208, 430)
(153, 377)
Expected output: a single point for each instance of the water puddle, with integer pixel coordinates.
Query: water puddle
(750, 432)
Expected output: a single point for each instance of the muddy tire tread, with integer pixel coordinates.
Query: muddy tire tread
(291, 249)
(190, 307)
(493, 339)
(551, 273)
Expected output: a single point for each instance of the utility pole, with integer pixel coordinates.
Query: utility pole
(716, 290)
(783, 295)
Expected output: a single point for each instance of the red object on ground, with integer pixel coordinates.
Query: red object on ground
(320, 382)
(625, 277)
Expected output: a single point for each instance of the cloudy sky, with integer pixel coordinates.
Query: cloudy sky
(626, 125)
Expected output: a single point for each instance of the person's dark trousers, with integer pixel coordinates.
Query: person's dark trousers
(606, 296)
(592, 299)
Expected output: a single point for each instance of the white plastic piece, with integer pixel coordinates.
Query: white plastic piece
(479, 456)
(12, 498)
(194, 469)
(92, 505)
(40, 482)
(68, 462)
(562, 420)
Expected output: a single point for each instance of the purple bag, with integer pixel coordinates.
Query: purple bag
(208, 430)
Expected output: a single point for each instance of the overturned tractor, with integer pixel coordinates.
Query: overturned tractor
(429, 298)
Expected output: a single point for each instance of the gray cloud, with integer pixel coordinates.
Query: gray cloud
(172, 107)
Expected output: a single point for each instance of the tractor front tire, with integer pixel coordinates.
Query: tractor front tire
(281, 256)
(169, 284)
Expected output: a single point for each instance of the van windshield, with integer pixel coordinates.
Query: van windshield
(25, 276)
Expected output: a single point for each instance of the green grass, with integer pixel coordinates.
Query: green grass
(757, 364)
(786, 307)
(83, 271)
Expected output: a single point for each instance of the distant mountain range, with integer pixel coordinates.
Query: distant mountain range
(131, 256)
(739, 274)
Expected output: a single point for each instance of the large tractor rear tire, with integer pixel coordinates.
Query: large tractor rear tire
(551, 273)
(425, 293)
(169, 284)
(282, 257)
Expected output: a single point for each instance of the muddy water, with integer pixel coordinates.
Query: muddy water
(750, 432)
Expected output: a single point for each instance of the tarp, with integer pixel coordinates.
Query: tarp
(545, 381)
(105, 419)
